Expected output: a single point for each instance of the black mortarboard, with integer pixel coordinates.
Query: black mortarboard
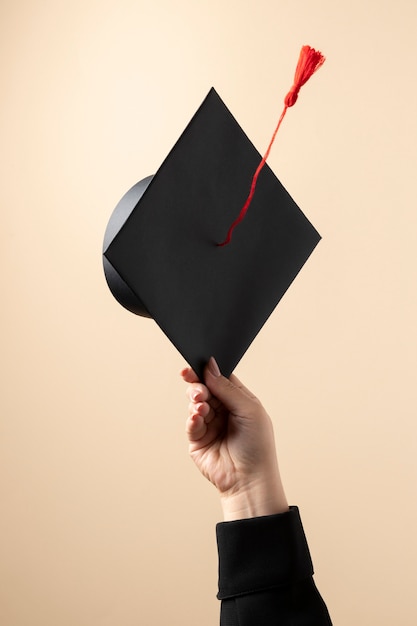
(161, 252)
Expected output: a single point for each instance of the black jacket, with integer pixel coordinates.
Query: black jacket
(266, 573)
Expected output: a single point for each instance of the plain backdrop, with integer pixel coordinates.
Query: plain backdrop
(104, 520)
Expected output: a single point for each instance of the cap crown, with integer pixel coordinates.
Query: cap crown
(211, 300)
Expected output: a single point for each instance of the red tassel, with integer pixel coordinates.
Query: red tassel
(309, 62)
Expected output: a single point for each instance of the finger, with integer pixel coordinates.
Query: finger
(196, 428)
(234, 397)
(189, 375)
(202, 434)
(202, 409)
(197, 392)
(201, 393)
(198, 408)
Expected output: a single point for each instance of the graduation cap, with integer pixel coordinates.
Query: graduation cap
(168, 250)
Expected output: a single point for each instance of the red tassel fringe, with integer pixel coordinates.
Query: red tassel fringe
(309, 62)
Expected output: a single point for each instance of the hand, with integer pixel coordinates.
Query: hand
(231, 441)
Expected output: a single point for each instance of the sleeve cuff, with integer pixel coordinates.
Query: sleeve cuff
(261, 553)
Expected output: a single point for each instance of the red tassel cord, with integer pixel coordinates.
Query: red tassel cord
(309, 62)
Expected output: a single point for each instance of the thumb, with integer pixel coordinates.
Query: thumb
(234, 398)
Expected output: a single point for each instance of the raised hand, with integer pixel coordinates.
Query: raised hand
(231, 441)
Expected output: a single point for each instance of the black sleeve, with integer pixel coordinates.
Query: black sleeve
(266, 573)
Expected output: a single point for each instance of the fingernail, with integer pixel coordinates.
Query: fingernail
(213, 367)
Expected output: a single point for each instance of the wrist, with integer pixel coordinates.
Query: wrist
(255, 500)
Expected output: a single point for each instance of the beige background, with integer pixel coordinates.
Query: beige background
(104, 521)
